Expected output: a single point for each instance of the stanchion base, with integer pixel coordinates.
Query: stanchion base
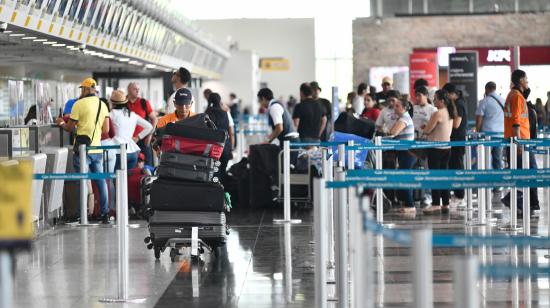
(332, 299)
(284, 221)
(76, 224)
(475, 223)
(510, 228)
(118, 301)
(331, 281)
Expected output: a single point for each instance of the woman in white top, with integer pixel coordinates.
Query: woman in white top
(439, 128)
(403, 129)
(124, 123)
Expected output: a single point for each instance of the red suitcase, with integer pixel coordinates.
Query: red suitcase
(191, 146)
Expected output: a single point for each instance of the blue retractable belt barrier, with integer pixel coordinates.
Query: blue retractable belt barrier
(457, 240)
(534, 150)
(103, 147)
(254, 131)
(315, 144)
(506, 271)
(73, 176)
(534, 142)
(444, 179)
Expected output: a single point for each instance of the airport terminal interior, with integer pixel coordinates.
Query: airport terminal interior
(275, 154)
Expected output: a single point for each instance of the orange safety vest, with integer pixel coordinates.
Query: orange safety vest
(516, 113)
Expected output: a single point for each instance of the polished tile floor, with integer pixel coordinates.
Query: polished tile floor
(77, 267)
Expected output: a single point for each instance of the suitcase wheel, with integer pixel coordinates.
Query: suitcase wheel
(173, 254)
(157, 252)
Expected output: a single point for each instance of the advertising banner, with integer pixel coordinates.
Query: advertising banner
(463, 73)
(423, 65)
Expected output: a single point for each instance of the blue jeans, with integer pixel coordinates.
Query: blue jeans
(406, 161)
(95, 165)
(131, 160)
(496, 158)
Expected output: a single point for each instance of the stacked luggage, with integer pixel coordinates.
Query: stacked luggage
(187, 193)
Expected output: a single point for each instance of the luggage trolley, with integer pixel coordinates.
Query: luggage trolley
(300, 178)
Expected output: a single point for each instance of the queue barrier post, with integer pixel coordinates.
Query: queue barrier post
(342, 155)
(330, 209)
(423, 265)
(526, 197)
(366, 263)
(465, 293)
(481, 214)
(320, 225)
(469, 197)
(82, 155)
(352, 214)
(379, 191)
(6, 280)
(286, 187)
(513, 226)
(342, 282)
(546, 164)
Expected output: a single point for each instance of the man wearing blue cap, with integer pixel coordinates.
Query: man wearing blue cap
(183, 101)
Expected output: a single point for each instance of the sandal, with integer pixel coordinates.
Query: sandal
(407, 210)
(432, 210)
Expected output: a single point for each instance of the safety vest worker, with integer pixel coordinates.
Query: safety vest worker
(516, 112)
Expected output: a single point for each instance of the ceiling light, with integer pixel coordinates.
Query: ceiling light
(49, 43)
(40, 40)
(17, 34)
(6, 32)
(123, 59)
(108, 56)
(135, 63)
(29, 38)
(150, 65)
(58, 45)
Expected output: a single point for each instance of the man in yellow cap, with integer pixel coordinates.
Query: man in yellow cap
(88, 117)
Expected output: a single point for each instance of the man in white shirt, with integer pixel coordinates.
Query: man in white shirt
(490, 120)
(359, 100)
(279, 119)
(422, 111)
(180, 79)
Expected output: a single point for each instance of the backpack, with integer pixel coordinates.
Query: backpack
(144, 106)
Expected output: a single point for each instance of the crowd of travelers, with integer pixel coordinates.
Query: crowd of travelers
(433, 115)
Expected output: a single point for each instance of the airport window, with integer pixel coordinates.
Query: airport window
(82, 11)
(38, 4)
(91, 12)
(100, 14)
(72, 9)
(108, 15)
(50, 6)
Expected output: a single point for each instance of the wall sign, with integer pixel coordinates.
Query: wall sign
(463, 73)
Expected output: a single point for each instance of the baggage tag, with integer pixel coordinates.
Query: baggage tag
(194, 241)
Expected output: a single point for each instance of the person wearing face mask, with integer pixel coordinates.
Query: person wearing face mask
(516, 120)
(403, 129)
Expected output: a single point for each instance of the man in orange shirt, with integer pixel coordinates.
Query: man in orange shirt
(183, 101)
(516, 124)
(516, 113)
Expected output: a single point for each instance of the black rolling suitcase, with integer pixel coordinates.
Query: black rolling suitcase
(164, 232)
(186, 173)
(170, 195)
(196, 162)
(263, 161)
(188, 217)
(183, 129)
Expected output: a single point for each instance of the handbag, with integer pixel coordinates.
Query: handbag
(85, 139)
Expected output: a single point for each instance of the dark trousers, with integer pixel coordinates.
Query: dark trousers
(147, 152)
(456, 162)
(406, 161)
(533, 194)
(389, 162)
(439, 159)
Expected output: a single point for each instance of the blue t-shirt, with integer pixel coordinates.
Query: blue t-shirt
(490, 108)
(69, 106)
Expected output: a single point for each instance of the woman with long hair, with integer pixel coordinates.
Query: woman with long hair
(439, 128)
(221, 118)
(124, 123)
(403, 129)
